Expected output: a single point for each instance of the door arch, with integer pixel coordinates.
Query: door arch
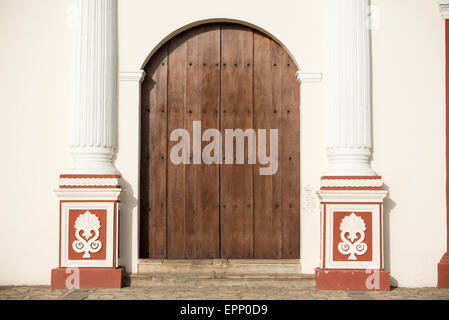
(227, 76)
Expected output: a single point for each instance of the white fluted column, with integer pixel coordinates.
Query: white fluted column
(93, 116)
(349, 105)
(351, 193)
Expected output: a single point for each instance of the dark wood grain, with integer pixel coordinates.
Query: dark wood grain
(237, 113)
(208, 210)
(227, 76)
(176, 174)
(267, 218)
(290, 158)
(153, 153)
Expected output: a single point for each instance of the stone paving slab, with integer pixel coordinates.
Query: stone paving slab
(277, 290)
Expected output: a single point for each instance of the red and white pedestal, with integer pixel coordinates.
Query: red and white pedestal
(88, 241)
(352, 235)
(443, 265)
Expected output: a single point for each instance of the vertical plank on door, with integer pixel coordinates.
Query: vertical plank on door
(176, 173)
(156, 82)
(276, 113)
(237, 112)
(290, 158)
(144, 214)
(191, 171)
(267, 219)
(208, 208)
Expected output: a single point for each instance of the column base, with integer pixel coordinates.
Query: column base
(87, 278)
(352, 280)
(443, 272)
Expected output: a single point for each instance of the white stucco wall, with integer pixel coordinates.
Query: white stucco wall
(35, 59)
(408, 113)
(409, 144)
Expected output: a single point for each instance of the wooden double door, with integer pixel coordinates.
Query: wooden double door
(227, 76)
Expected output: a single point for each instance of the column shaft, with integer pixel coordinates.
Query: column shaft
(349, 105)
(93, 116)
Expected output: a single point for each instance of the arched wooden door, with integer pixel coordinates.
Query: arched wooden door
(227, 76)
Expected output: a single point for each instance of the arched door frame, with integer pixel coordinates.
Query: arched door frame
(212, 21)
(207, 21)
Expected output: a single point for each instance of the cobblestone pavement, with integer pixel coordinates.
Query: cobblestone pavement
(263, 290)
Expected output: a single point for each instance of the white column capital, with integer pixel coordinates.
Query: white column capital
(444, 9)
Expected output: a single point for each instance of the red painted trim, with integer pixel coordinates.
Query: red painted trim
(350, 280)
(443, 266)
(114, 238)
(351, 177)
(447, 131)
(324, 235)
(115, 216)
(118, 233)
(90, 187)
(381, 236)
(351, 188)
(351, 202)
(60, 233)
(89, 201)
(349, 269)
(89, 278)
(89, 176)
(321, 235)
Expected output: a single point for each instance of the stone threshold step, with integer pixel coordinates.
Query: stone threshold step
(218, 276)
(237, 266)
(216, 279)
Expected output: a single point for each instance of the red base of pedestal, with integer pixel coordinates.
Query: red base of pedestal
(443, 272)
(352, 280)
(87, 278)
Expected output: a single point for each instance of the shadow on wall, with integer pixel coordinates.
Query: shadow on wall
(127, 204)
(389, 205)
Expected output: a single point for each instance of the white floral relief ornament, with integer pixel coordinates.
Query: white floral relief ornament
(351, 226)
(87, 242)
